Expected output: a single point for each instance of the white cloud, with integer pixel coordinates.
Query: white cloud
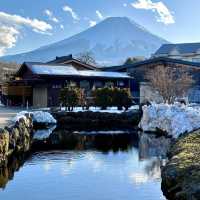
(18, 20)
(99, 14)
(10, 27)
(8, 38)
(48, 12)
(70, 10)
(51, 16)
(164, 14)
(92, 23)
(125, 5)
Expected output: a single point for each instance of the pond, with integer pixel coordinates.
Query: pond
(130, 170)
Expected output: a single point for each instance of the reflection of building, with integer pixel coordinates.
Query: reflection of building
(186, 51)
(39, 84)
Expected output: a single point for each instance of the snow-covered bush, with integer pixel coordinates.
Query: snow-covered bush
(43, 117)
(174, 119)
(38, 117)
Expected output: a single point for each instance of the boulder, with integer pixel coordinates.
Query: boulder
(4, 144)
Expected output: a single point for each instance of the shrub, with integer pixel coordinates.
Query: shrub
(69, 97)
(102, 97)
(106, 97)
(121, 98)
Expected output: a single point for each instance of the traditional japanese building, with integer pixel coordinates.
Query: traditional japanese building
(39, 84)
(141, 90)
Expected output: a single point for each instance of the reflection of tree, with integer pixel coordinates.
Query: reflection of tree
(103, 141)
(7, 172)
(150, 172)
(152, 150)
(152, 169)
(150, 146)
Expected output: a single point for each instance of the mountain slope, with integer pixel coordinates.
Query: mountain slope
(111, 41)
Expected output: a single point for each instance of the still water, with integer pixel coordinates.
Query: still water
(131, 173)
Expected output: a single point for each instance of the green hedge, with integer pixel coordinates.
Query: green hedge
(107, 97)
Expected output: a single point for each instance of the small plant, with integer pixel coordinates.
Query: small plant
(69, 97)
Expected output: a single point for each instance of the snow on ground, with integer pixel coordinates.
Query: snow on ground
(98, 109)
(38, 116)
(174, 119)
(94, 109)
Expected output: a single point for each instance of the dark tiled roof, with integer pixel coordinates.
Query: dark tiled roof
(61, 59)
(69, 58)
(149, 61)
(184, 48)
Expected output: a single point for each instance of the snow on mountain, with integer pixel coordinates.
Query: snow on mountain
(111, 41)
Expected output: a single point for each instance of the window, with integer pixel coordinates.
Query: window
(196, 59)
(109, 84)
(56, 86)
(121, 83)
(85, 85)
(98, 84)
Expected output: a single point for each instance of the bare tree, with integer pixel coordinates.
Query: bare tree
(87, 57)
(132, 60)
(170, 82)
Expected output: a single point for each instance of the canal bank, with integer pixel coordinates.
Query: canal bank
(181, 175)
(15, 139)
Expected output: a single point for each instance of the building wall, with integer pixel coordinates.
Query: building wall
(54, 85)
(194, 94)
(145, 92)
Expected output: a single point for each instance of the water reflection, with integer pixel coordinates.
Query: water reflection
(123, 164)
(7, 171)
(152, 146)
(103, 141)
(43, 134)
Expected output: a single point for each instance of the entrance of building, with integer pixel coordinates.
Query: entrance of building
(39, 97)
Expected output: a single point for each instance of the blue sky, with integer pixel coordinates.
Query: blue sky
(26, 25)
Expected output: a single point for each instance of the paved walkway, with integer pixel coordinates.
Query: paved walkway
(6, 114)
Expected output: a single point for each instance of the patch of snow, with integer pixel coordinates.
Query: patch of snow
(174, 119)
(19, 116)
(38, 116)
(98, 109)
(43, 117)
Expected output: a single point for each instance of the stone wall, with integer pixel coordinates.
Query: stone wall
(15, 139)
(91, 121)
(181, 175)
